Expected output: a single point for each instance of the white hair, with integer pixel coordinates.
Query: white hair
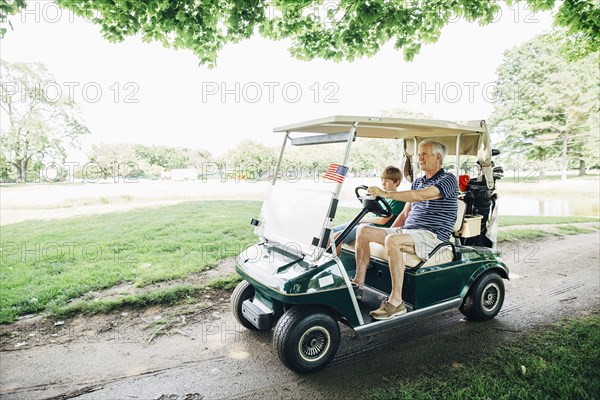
(436, 148)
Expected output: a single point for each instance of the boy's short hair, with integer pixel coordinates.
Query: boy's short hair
(392, 173)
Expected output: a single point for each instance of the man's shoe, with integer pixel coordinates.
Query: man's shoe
(387, 311)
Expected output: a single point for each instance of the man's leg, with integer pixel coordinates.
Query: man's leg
(365, 235)
(395, 245)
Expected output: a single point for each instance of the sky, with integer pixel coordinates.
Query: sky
(138, 92)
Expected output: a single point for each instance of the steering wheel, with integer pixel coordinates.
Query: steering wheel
(376, 205)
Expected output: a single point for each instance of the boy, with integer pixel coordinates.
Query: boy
(390, 180)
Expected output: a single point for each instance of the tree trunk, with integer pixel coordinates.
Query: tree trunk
(563, 173)
(23, 170)
(20, 177)
(21, 174)
(581, 167)
(542, 173)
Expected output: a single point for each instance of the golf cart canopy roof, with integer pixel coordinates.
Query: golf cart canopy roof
(460, 138)
(473, 134)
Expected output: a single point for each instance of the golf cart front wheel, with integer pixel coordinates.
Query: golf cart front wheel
(242, 292)
(485, 298)
(306, 339)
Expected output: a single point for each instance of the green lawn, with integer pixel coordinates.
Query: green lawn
(45, 264)
(511, 220)
(521, 234)
(346, 214)
(562, 363)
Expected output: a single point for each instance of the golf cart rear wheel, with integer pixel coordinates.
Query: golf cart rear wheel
(306, 339)
(485, 298)
(242, 292)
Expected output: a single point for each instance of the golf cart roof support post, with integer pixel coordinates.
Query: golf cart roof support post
(338, 188)
(402, 154)
(287, 134)
(415, 155)
(458, 154)
(351, 136)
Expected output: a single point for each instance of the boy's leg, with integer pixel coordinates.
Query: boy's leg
(366, 234)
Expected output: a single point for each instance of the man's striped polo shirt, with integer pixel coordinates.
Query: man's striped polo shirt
(437, 216)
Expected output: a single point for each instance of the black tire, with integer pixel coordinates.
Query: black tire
(485, 298)
(306, 338)
(242, 292)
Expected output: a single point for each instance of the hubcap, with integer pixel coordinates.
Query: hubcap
(490, 297)
(314, 343)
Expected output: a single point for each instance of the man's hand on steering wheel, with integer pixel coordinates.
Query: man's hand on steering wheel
(376, 191)
(374, 204)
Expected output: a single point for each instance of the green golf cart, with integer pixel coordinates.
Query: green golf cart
(294, 281)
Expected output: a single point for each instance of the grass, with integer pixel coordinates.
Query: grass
(570, 175)
(46, 264)
(166, 296)
(511, 220)
(345, 214)
(562, 363)
(521, 234)
(573, 230)
(227, 283)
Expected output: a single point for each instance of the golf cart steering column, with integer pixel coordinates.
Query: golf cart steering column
(376, 205)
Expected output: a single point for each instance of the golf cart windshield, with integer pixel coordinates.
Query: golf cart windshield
(294, 216)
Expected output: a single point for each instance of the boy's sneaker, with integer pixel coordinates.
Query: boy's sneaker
(358, 292)
(387, 311)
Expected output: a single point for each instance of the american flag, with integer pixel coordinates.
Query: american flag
(336, 173)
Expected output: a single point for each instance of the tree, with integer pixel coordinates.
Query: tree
(9, 8)
(581, 20)
(250, 159)
(115, 160)
(545, 103)
(165, 156)
(199, 157)
(373, 155)
(36, 126)
(5, 169)
(346, 29)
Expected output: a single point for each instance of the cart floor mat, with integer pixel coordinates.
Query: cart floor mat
(371, 300)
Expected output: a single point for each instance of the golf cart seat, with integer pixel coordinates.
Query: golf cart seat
(441, 256)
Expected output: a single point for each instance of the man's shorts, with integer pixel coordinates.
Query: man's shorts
(425, 241)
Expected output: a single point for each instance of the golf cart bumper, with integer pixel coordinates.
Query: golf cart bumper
(258, 316)
(282, 279)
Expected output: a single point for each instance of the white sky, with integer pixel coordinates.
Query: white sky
(175, 105)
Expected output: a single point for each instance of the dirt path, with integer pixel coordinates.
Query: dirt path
(206, 355)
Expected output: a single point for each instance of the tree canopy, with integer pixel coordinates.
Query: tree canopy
(332, 30)
(37, 126)
(546, 106)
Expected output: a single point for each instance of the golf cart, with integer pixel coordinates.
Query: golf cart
(294, 281)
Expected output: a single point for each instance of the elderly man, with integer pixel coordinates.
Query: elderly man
(426, 221)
